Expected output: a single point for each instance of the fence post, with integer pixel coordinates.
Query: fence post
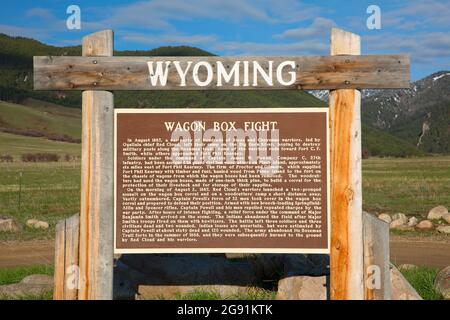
(376, 255)
(97, 189)
(346, 252)
(66, 259)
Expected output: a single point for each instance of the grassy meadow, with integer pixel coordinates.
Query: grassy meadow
(408, 185)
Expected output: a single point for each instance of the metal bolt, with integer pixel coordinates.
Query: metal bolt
(347, 82)
(94, 62)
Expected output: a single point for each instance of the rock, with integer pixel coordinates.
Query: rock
(413, 221)
(396, 224)
(443, 229)
(38, 279)
(400, 287)
(442, 282)
(31, 222)
(437, 212)
(30, 286)
(303, 288)
(400, 216)
(446, 217)
(20, 290)
(41, 225)
(9, 225)
(37, 224)
(385, 217)
(425, 225)
(407, 266)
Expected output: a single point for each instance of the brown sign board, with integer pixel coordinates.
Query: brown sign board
(221, 180)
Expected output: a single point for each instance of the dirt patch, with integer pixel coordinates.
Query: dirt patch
(420, 251)
(26, 253)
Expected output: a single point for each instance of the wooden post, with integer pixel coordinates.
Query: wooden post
(346, 252)
(376, 255)
(66, 259)
(97, 184)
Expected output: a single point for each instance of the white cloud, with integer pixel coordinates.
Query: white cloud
(320, 27)
(423, 47)
(178, 39)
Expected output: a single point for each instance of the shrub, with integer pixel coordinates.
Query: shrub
(40, 157)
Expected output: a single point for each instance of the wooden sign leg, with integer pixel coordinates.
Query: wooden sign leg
(97, 189)
(346, 257)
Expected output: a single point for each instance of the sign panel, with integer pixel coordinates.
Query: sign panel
(221, 180)
(221, 73)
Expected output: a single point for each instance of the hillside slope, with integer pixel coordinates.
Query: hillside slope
(420, 115)
(43, 112)
(37, 118)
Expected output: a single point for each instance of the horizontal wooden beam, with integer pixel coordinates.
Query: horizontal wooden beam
(207, 73)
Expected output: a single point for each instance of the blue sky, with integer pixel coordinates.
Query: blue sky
(238, 27)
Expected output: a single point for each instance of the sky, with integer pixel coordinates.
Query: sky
(242, 27)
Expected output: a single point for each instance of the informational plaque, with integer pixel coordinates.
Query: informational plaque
(221, 180)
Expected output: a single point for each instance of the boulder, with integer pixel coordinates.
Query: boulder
(442, 282)
(385, 217)
(413, 221)
(30, 286)
(38, 279)
(400, 216)
(437, 212)
(425, 225)
(446, 217)
(41, 225)
(400, 287)
(443, 229)
(9, 225)
(37, 224)
(303, 288)
(31, 222)
(396, 224)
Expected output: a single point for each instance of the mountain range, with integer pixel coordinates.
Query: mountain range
(419, 115)
(395, 122)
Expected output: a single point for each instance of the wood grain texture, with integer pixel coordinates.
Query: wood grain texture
(346, 252)
(66, 259)
(60, 263)
(72, 236)
(376, 253)
(132, 73)
(97, 199)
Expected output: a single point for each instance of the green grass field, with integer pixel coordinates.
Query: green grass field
(422, 279)
(15, 275)
(16, 145)
(412, 186)
(50, 191)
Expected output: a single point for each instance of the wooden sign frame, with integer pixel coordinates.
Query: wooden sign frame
(344, 72)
